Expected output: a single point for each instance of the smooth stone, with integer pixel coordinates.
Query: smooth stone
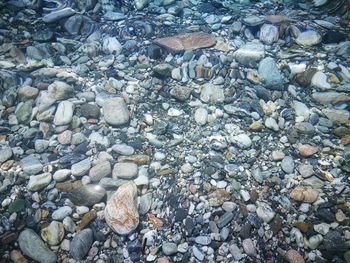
(306, 150)
(203, 240)
(121, 211)
(250, 54)
(115, 111)
(61, 175)
(114, 16)
(338, 116)
(308, 38)
(53, 234)
(265, 212)
(269, 34)
(145, 203)
(249, 247)
(306, 170)
(315, 241)
(81, 168)
(325, 97)
(5, 154)
(225, 219)
(32, 246)
(100, 170)
(87, 195)
(125, 170)
(270, 74)
(301, 110)
(38, 182)
(58, 15)
(61, 213)
(81, 243)
(201, 116)
(241, 140)
(123, 149)
(287, 164)
(73, 24)
(320, 80)
(271, 124)
(23, 112)
(169, 248)
(111, 45)
(278, 155)
(64, 113)
(198, 253)
(60, 90)
(212, 94)
(304, 194)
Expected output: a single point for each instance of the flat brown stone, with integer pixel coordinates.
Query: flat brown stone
(190, 41)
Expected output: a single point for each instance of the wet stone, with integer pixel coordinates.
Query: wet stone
(270, 74)
(115, 111)
(81, 244)
(87, 195)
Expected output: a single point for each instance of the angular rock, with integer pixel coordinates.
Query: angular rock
(121, 212)
(5, 154)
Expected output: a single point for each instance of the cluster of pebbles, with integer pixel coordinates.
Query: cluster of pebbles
(173, 131)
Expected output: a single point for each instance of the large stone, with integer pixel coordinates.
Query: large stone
(38, 182)
(33, 246)
(250, 54)
(64, 113)
(338, 116)
(308, 38)
(126, 170)
(23, 112)
(115, 111)
(190, 41)
(60, 90)
(269, 34)
(81, 244)
(87, 195)
(5, 154)
(81, 168)
(121, 212)
(31, 165)
(270, 74)
(212, 94)
(100, 170)
(111, 45)
(53, 234)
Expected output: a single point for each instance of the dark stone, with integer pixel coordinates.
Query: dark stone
(90, 111)
(304, 78)
(333, 36)
(17, 206)
(245, 231)
(42, 35)
(134, 246)
(154, 52)
(263, 93)
(254, 220)
(180, 214)
(89, 26)
(189, 225)
(225, 219)
(73, 24)
(160, 127)
(325, 214)
(333, 242)
(81, 244)
(87, 195)
(276, 224)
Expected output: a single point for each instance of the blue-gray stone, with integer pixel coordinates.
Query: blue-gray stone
(81, 244)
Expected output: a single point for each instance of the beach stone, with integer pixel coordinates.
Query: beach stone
(100, 170)
(320, 80)
(211, 93)
(87, 195)
(32, 246)
(61, 213)
(304, 194)
(265, 212)
(38, 182)
(271, 124)
(125, 170)
(306, 170)
(169, 248)
(270, 74)
(250, 54)
(123, 149)
(23, 112)
(5, 154)
(81, 168)
(242, 141)
(293, 256)
(278, 155)
(249, 247)
(115, 111)
(287, 164)
(269, 34)
(308, 38)
(64, 113)
(61, 175)
(189, 41)
(53, 234)
(60, 90)
(201, 116)
(306, 150)
(81, 243)
(31, 165)
(111, 45)
(338, 116)
(301, 110)
(121, 211)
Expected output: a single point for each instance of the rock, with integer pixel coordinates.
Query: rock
(308, 38)
(32, 246)
(325, 97)
(304, 194)
(287, 164)
(198, 253)
(270, 74)
(58, 15)
(61, 213)
(242, 141)
(38, 182)
(293, 256)
(100, 170)
(111, 45)
(250, 54)
(201, 116)
(212, 93)
(334, 243)
(64, 113)
(225, 219)
(301, 110)
(5, 154)
(24, 112)
(265, 212)
(306, 150)
(319, 80)
(114, 16)
(338, 116)
(126, 170)
(277, 155)
(73, 24)
(115, 111)
(87, 195)
(304, 78)
(61, 175)
(306, 170)
(53, 234)
(269, 34)
(140, 4)
(60, 90)
(249, 247)
(81, 243)
(90, 111)
(81, 168)
(271, 124)
(169, 248)
(190, 41)
(315, 241)
(121, 212)
(17, 257)
(31, 165)
(123, 149)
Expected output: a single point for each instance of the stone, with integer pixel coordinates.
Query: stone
(301, 110)
(270, 74)
(38, 182)
(201, 116)
(265, 212)
(115, 111)
(306, 150)
(121, 211)
(64, 113)
(24, 112)
(73, 24)
(125, 170)
(60, 90)
(250, 54)
(28, 92)
(123, 149)
(278, 155)
(54, 16)
(53, 234)
(308, 38)
(249, 247)
(61, 175)
(32, 246)
(269, 34)
(17, 257)
(61, 213)
(87, 195)
(100, 170)
(241, 140)
(5, 154)
(306, 170)
(211, 93)
(304, 194)
(338, 116)
(81, 243)
(31, 165)
(320, 80)
(90, 111)
(287, 164)
(169, 248)
(114, 16)
(189, 41)
(293, 256)
(111, 45)
(271, 124)
(304, 78)
(81, 168)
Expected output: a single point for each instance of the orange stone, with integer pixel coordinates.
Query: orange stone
(304, 194)
(293, 256)
(155, 221)
(190, 41)
(307, 150)
(345, 140)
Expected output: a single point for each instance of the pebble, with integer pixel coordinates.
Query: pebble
(100, 170)
(38, 182)
(64, 113)
(115, 111)
(126, 170)
(287, 164)
(5, 154)
(87, 195)
(270, 74)
(81, 243)
(169, 248)
(81, 168)
(53, 234)
(308, 38)
(61, 213)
